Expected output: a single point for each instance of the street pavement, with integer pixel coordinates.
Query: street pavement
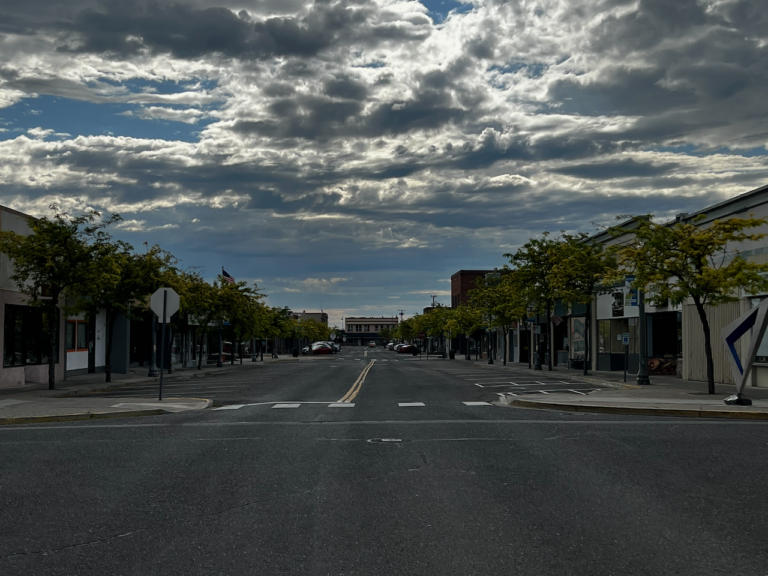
(374, 463)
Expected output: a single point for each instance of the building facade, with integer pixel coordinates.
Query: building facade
(361, 330)
(25, 334)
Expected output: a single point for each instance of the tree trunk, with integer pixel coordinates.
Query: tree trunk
(587, 348)
(707, 346)
(111, 317)
(200, 352)
(53, 315)
(548, 347)
(504, 331)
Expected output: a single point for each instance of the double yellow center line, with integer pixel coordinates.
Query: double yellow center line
(355, 390)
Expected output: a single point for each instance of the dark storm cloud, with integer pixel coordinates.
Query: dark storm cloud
(626, 168)
(185, 31)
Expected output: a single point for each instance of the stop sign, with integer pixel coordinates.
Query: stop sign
(171, 303)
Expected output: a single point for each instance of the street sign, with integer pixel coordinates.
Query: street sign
(625, 338)
(171, 305)
(333, 336)
(344, 339)
(421, 334)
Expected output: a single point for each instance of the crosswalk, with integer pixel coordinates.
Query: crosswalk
(295, 405)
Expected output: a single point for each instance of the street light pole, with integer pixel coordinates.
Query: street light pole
(537, 346)
(152, 366)
(642, 370)
(490, 345)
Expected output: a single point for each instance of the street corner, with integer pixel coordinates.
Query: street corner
(80, 408)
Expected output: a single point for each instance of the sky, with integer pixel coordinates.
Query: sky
(353, 154)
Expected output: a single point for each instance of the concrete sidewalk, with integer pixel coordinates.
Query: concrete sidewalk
(644, 401)
(72, 400)
(30, 409)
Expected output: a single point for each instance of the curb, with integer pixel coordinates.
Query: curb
(588, 379)
(639, 411)
(10, 421)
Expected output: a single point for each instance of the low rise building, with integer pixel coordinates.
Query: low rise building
(360, 330)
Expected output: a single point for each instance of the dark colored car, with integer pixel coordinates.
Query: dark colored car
(408, 349)
(321, 348)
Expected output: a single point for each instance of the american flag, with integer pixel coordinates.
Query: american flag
(556, 320)
(227, 278)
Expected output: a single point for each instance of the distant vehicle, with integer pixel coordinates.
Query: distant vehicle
(306, 350)
(397, 347)
(391, 346)
(335, 347)
(372, 344)
(321, 348)
(408, 349)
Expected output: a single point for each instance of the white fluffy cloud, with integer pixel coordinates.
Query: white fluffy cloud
(361, 146)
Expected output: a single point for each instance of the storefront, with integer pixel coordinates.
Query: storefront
(617, 315)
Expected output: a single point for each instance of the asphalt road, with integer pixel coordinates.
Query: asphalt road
(419, 474)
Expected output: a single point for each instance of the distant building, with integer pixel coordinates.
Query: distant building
(319, 317)
(462, 282)
(362, 330)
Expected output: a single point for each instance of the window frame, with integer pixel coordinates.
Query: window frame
(76, 324)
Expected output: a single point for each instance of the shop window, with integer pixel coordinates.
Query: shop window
(604, 336)
(26, 338)
(77, 336)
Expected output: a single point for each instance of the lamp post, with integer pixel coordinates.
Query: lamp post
(537, 346)
(490, 347)
(642, 370)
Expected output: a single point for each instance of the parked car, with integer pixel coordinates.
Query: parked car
(321, 348)
(397, 347)
(408, 349)
(372, 344)
(391, 346)
(306, 350)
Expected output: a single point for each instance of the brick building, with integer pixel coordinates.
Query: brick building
(462, 282)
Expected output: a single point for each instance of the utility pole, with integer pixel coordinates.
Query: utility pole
(433, 300)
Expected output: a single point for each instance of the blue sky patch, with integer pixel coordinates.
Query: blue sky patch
(439, 9)
(81, 118)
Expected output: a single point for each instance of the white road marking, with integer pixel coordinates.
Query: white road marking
(230, 407)
(476, 403)
(543, 392)
(577, 392)
(407, 404)
(286, 405)
(341, 405)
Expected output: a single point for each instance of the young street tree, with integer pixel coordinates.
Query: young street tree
(465, 320)
(118, 279)
(533, 263)
(502, 301)
(692, 260)
(577, 272)
(52, 262)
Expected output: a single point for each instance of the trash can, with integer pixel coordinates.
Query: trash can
(452, 355)
(415, 351)
(295, 352)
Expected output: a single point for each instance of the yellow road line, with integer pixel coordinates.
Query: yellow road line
(355, 390)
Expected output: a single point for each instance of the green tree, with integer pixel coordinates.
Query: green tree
(502, 302)
(465, 319)
(533, 263)
(577, 271)
(53, 262)
(239, 305)
(120, 281)
(692, 260)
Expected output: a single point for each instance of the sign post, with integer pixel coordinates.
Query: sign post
(164, 303)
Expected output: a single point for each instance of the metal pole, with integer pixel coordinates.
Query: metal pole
(162, 343)
(152, 367)
(490, 347)
(219, 363)
(642, 371)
